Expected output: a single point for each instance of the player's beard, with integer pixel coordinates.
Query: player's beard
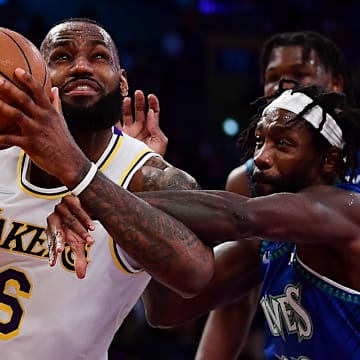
(102, 115)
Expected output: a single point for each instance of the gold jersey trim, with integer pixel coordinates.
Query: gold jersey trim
(105, 160)
(58, 192)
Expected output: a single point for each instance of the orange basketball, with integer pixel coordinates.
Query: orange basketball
(17, 51)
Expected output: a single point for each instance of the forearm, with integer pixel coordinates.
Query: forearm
(207, 213)
(221, 216)
(226, 329)
(164, 247)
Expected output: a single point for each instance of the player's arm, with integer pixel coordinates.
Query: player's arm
(280, 217)
(226, 216)
(157, 174)
(222, 216)
(163, 246)
(227, 328)
(237, 270)
(238, 181)
(243, 309)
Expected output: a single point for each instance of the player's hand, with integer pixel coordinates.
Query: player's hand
(41, 128)
(69, 224)
(145, 126)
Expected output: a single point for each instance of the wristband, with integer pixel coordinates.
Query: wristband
(84, 183)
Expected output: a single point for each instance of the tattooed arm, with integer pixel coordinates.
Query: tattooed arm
(157, 174)
(164, 247)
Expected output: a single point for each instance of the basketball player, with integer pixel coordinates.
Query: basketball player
(307, 57)
(50, 313)
(306, 141)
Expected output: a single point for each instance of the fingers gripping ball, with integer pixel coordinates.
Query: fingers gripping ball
(17, 51)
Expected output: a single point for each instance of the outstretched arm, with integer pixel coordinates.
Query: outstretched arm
(222, 216)
(164, 247)
(279, 217)
(237, 270)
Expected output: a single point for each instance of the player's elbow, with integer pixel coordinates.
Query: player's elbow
(164, 313)
(192, 285)
(193, 280)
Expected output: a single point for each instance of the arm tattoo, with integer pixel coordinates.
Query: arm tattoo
(167, 249)
(159, 175)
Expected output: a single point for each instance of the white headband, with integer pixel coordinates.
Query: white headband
(296, 102)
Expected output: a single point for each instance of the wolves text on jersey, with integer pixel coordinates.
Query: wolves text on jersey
(284, 313)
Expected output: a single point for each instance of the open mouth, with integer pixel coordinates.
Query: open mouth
(81, 87)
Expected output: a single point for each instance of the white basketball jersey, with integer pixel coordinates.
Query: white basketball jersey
(48, 313)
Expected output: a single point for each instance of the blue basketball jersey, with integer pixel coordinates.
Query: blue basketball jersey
(307, 315)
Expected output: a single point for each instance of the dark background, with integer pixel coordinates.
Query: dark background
(201, 59)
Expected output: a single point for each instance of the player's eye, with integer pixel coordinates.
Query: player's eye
(60, 57)
(283, 142)
(101, 56)
(258, 141)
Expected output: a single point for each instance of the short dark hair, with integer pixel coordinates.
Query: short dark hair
(78, 19)
(333, 103)
(83, 20)
(328, 52)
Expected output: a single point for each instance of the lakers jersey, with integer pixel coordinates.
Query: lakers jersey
(307, 315)
(48, 313)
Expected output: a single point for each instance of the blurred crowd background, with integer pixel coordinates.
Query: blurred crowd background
(200, 57)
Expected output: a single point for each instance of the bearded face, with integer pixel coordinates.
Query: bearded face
(98, 116)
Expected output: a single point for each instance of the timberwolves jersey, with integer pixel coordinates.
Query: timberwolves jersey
(48, 313)
(307, 315)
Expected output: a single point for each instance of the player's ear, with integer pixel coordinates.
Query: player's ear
(123, 82)
(338, 84)
(331, 160)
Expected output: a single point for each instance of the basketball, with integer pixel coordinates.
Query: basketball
(18, 51)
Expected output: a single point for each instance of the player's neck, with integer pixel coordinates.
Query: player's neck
(92, 144)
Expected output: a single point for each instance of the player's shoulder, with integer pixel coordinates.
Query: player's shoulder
(326, 190)
(157, 162)
(238, 180)
(158, 174)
